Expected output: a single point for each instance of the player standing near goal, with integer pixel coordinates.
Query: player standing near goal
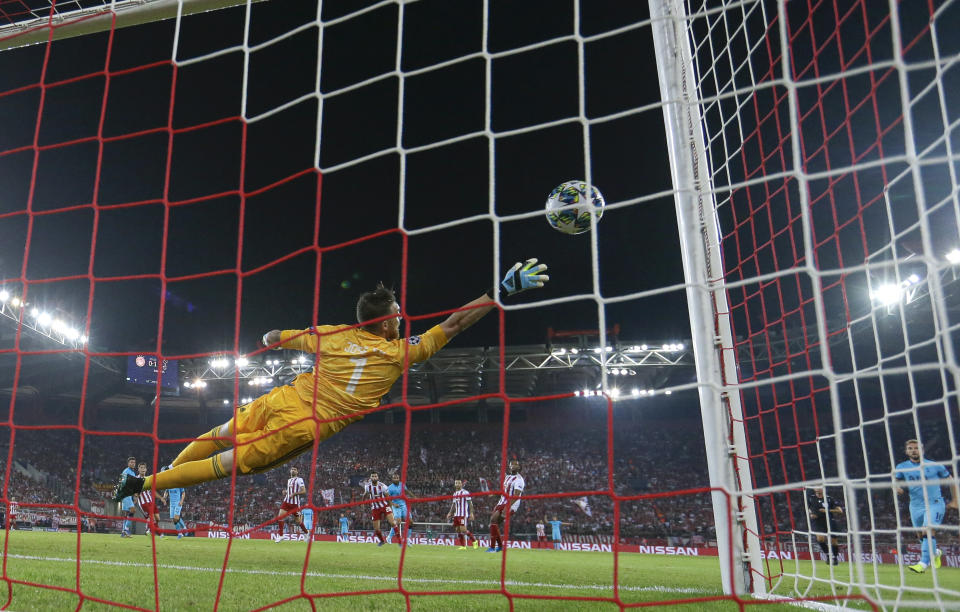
(512, 488)
(926, 500)
(541, 534)
(461, 509)
(381, 506)
(356, 366)
(826, 522)
(174, 500)
(555, 530)
(344, 524)
(126, 504)
(147, 504)
(291, 501)
(396, 488)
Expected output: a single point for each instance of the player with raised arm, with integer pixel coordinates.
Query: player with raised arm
(926, 500)
(126, 504)
(381, 508)
(148, 504)
(555, 530)
(461, 510)
(355, 366)
(826, 516)
(397, 488)
(174, 500)
(290, 505)
(509, 503)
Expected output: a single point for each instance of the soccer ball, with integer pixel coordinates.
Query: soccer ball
(569, 207)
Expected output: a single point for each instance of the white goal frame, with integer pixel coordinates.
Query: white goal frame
(728, 465)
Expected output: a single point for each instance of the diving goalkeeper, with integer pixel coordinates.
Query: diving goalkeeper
(354, 368)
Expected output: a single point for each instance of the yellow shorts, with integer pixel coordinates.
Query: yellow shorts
(276, 427)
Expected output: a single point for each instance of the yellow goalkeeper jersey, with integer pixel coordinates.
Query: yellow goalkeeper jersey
(355, 368)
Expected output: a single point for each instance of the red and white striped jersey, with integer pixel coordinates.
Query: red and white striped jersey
(294, 486)
(512, 486)
(377, 492)
(540, 531)
(14, 507)
(143, 497)
(461, 503)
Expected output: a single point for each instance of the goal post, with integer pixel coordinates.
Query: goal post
(729, 470)
(100, 18)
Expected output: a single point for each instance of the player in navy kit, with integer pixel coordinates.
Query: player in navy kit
(926, 500)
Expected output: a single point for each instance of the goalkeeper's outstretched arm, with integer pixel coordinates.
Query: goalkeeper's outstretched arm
(520, 277)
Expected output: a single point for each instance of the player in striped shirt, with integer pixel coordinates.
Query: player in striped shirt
(541, 535)
(291, 501)
(461, 509)
(381, 506)
(509, 503)
(147, 504)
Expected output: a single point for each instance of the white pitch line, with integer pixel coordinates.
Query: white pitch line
(546, 585)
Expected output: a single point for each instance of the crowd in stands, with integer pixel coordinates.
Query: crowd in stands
(568, 468)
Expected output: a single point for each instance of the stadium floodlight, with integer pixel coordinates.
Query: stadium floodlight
(597, 349)
(301, 359)
(635, 392)
(4, 296)
(226, 402)
(574, 351)
(15, 301)
(560, 351)
(35, 313)
(72, 334)
(614, 392)
(643, 347)
(952, 256)
(219, 362)
(241, 362)
(44, 319)
(84, 339)
(667, 392)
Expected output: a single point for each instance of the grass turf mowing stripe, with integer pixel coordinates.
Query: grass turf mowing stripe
(654, 588)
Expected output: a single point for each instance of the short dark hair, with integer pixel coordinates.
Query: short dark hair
(375, 304)
(129, 459)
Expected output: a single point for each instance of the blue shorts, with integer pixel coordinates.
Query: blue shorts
(924, 516)
(308, 519)
(399, 512)
(126, 503)
(175, 510)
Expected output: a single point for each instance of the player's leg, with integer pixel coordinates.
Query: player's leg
(206, 445)
(918, 518)
(495, 519)
(393, 529)
(377, 533)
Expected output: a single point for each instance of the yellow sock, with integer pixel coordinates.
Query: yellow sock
(202, 447)
(188, 474)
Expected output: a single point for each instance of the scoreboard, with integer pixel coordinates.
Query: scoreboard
(144, 370)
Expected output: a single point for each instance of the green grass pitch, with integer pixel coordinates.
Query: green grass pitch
(261, 572)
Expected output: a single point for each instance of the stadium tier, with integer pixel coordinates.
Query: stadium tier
(238, 237)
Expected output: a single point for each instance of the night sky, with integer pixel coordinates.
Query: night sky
(134, 211)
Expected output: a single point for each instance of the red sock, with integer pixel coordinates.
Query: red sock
(377, 534)
(472, 539)
(494, 535)
(460, 541)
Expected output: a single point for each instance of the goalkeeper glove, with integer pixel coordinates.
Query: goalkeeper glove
(522, 276)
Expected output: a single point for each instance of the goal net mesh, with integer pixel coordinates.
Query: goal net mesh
(831, 133)
(831, 146)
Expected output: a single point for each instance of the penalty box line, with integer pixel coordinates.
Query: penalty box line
(191, 568)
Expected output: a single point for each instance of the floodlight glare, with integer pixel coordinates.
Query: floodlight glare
(44, 319)
(83, 339)
(241, 361)
(574, 351)
(72, 334)
(913, 279)
(4, 296)
(886, 294)
(635, 392)
(15, 301)
(35, 313)
(226, 402)
(643, 347)
(952, 257)
(667, 392)
(614, 392)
